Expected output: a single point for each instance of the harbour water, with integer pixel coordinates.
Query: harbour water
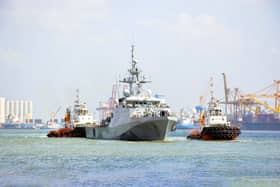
(29, 158)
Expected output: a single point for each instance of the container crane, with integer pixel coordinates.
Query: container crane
(226, 91)
(270, 92)
(53, 114)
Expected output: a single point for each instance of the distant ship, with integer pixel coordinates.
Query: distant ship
(13, 122)
(137, 115)
(261, 121)
(186, 121)
(257, 118)
(183, 124)
(50, 125)
(254, 111)
(18, 126)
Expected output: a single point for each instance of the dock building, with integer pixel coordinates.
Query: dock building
(15, 110)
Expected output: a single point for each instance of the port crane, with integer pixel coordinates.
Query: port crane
(262, 104)
(105, 108)
(53, 114)
(270, 92)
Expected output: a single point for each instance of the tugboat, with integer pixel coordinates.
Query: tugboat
(76, 127)
(137, 115)
(216, 127)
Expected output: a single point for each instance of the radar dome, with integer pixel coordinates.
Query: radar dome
(149, 93)
(126, 92)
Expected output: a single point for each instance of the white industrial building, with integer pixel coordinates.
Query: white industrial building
(2, 109)
(15, 110)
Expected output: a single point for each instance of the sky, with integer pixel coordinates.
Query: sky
(49, 48)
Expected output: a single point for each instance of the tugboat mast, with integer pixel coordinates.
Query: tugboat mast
(77, 103)
(211, 89)
(77, 96)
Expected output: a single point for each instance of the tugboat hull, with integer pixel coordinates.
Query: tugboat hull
(220, 133)
(216, 133)
(67, 132)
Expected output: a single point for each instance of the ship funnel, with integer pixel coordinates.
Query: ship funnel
(67, 117)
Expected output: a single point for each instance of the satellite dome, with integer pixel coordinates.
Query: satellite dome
(126, 92)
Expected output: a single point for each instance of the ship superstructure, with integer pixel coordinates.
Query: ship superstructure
(80, 116)
(214, 116)
(137, 115)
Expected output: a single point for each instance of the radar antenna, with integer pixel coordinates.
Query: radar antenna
(134, 76)
(77, 96)
(211, 88)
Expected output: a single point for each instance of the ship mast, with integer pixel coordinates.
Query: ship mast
(77, 103)
(211, 89)
(134, 76)
(77, 97)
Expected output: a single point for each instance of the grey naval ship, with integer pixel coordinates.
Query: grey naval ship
(137, 116)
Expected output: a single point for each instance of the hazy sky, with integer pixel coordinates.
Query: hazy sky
(49, 48)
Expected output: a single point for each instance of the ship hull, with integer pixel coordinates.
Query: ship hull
(17, 126)
(216, 133)
(220, 133)
(136, 130)
(67, 132)
(261, 126)
(187, 126)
